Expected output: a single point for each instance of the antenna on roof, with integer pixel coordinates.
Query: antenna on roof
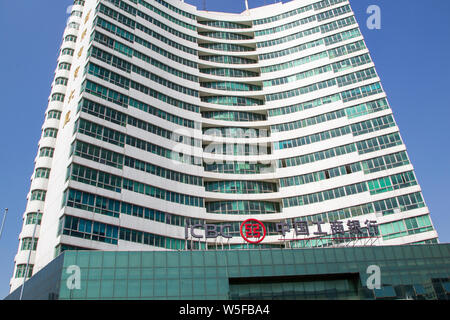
(246, 4)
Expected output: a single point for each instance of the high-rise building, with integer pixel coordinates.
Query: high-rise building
(163, 118)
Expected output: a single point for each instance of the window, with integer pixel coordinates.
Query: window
(232, 101)
(284, 15)
(288, 38)
(29, 244)
(230, 86)
(115, 183)
(38, 195)
(228, 72)
(241, 187)
(224, 24)
(242, 207)
(325, 195)
(225, 35)
(54, 114)
(228, 59)
(46, 152)
(33, 218)
(303, 106)
(61, 81)
(76, 13)
(74, 25)
(67, 51)
(50, 132)
(70, 38)
(292, 143)
(87, 229)
(406, 227)
(58, 97)
(64, 66)
(379, 143)
(42, 173)
(21, 269)
(233, 116)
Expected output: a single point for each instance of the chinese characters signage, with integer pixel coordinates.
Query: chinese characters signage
(301, 228)
(254, 231)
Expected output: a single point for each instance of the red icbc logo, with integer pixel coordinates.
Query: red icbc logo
(253, 229)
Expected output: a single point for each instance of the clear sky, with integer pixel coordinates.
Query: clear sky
(411, 53)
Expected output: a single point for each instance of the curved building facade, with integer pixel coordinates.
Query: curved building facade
(163, 117)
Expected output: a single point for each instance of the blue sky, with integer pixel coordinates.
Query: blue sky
(411, 53)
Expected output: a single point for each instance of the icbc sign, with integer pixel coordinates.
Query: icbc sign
(253, 229)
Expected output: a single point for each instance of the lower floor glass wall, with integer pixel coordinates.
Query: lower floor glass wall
(412, 272)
